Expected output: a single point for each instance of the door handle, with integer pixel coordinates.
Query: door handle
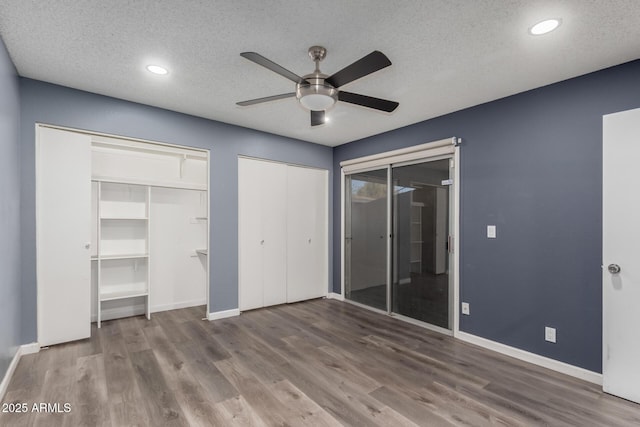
(613, 268)
(87, 245)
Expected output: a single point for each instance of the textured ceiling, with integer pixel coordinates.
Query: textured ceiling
(446, 55)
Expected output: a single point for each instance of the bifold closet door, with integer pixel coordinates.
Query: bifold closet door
(307, 268)
(63, 227)
(262, 276)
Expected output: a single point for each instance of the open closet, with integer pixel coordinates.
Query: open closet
(122, 230)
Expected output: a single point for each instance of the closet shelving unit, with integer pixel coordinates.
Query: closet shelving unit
(123, 231)
(416, 236)
(197, 220)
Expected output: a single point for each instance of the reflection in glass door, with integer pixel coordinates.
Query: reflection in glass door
(365, 242)
(420, 287)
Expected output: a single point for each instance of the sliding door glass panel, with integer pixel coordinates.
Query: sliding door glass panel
(365, 242)
(420, 287)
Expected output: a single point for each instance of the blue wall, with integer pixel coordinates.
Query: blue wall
(47, 103)
(532, 165)
(9, 211)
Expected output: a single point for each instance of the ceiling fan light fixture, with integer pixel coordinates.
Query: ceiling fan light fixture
(317, 101)
(316, 95)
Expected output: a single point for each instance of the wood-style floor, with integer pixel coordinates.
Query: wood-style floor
(316, 363)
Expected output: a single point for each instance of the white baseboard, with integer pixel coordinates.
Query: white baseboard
(178, 305)
(333, 295)
(21, 351)
(138, 309)
(224, 314)
(120, 312)
(34, 347)
(545, 362)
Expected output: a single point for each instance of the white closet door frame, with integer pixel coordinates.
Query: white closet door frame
(63, 236)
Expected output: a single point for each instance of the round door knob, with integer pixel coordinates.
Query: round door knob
(262, 242)
(613, 268)
(87, 245)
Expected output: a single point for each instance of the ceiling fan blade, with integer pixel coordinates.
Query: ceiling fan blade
(371, 63)
(367, 101)
(267, 63)
(266, 99)
(317, 118)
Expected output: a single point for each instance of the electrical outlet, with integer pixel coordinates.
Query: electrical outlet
(550, 334)
(465, 308)
(491, 231)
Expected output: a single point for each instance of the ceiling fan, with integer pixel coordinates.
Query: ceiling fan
(317, 92)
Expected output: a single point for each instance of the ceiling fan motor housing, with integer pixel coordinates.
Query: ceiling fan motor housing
(314, 94)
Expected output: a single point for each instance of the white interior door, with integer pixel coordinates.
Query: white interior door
(63, 198)
(621, 247)
(274, 232)
(306, 233)
(250, 234)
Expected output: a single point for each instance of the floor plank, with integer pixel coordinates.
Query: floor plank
(125, 400)
(160, 402)
(91, 402)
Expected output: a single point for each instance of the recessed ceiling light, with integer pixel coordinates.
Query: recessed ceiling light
(545, 26)
(156, 69)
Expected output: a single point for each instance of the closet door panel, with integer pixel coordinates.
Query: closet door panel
(63, 197)
(274, 232)
(250, 238)
(307, 233)
(319, 266)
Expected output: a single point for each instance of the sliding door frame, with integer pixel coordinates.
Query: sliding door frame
(437, 150)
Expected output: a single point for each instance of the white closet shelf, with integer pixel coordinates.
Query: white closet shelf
(201, 252)
(123, 256)
(126, 218)
(114, 295)
(151, 182)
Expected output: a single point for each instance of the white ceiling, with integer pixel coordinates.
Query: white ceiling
(446, 54)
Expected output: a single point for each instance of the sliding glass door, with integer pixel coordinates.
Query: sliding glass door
(420, 286)
(366, 238)
(397, 240)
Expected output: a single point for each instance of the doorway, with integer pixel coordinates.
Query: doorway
(620, 254)
(398, 238)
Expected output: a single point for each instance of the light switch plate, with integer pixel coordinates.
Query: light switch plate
(491, 231)
(549, 334)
